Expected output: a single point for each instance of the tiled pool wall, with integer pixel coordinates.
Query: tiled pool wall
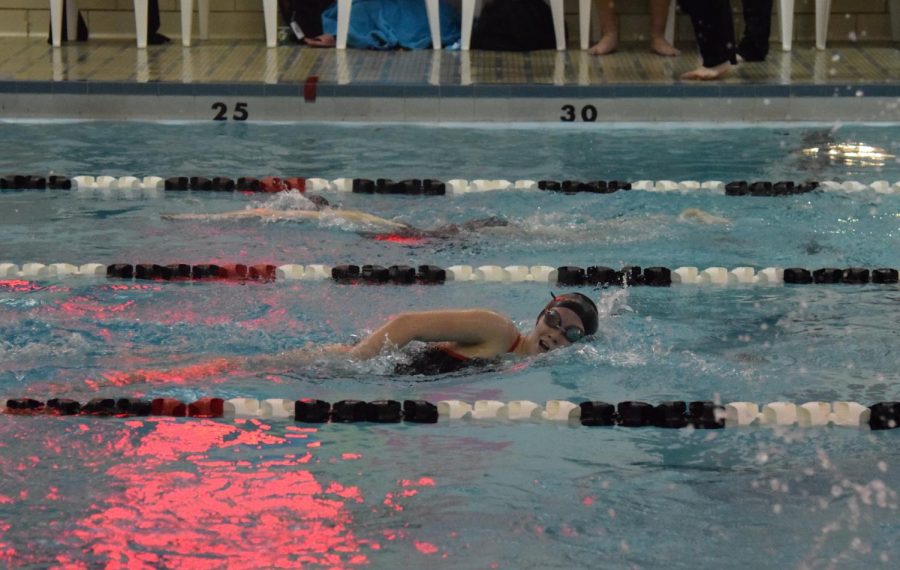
(453, 103)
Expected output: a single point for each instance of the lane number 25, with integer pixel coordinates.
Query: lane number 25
(241, 113)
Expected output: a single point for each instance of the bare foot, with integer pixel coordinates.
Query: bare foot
(660, 46)
(323, 41)
(607, 44)
(708, 73)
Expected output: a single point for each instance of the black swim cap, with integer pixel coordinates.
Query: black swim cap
(581, 305)
(320, 202)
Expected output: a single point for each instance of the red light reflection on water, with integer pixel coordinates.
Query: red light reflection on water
(84, 306)
(7, 552)
(209, 372)
(134, 287)
(179, 507)
(22, 286)
(400, 239)
(425, 547)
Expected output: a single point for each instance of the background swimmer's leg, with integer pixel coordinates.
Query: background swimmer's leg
(445, 231)
(698, 215)
(470, 226)
(489, 222)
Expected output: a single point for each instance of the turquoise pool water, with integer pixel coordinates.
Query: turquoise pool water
(154, 492)
(676, 151)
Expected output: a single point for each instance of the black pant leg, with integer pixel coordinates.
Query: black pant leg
(714, 29)
(754, 45)
(152, 17)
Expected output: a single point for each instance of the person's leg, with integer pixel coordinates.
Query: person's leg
(714, 30)
(153, 35)
(757, 27)
(659, 15)
(609, 28)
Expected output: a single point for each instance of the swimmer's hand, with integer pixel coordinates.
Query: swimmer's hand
(699, 216)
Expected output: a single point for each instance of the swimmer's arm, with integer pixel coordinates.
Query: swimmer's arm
(289, 359)
(365, 218)
(254, 213)
(486, 331)
(268, 214)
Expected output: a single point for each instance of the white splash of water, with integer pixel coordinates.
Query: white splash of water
(285, 201)
(564, 228)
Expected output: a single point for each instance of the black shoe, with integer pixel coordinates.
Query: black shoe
(750, 51)
(750, 56)
(157, 39)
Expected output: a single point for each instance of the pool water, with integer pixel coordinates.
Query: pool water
(676, 151)
(159, 492)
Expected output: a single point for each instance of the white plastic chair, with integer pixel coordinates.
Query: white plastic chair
(56, 6)
(343, 24)
(140, 20)
(270, 13)
(471, 7)
(584, 23)
(56, 13)
(823, 12)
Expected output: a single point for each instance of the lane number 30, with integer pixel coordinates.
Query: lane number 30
(570, 114)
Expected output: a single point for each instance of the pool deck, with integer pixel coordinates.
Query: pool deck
(244, 80)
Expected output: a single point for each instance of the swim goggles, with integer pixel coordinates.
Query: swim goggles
(554, 321)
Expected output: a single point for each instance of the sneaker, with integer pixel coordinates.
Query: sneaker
(157, 39)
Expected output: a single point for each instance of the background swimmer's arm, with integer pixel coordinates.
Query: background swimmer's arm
(698, 215)
(267, 214)
(255, 213)
(365, 218)
(486, 331)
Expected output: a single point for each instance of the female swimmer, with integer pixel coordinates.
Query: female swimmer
(321, 209)
(456, 339)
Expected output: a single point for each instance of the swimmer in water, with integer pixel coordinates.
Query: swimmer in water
(699, 216)
(375, 226)
(434, 342)
(456, 339)
(321, 209)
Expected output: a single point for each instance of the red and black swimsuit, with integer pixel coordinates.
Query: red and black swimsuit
(435, 359)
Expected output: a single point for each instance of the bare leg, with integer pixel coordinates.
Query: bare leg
(609, 28)
(708, 73)
(714, 30)
(659, 14)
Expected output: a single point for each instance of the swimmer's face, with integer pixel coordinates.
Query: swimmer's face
(558, 327)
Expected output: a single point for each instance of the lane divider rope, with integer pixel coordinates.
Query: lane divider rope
(631, 275)
(154, 186)
(669, 414)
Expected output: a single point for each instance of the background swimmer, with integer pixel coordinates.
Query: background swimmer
(702, 217)
(293, 206)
